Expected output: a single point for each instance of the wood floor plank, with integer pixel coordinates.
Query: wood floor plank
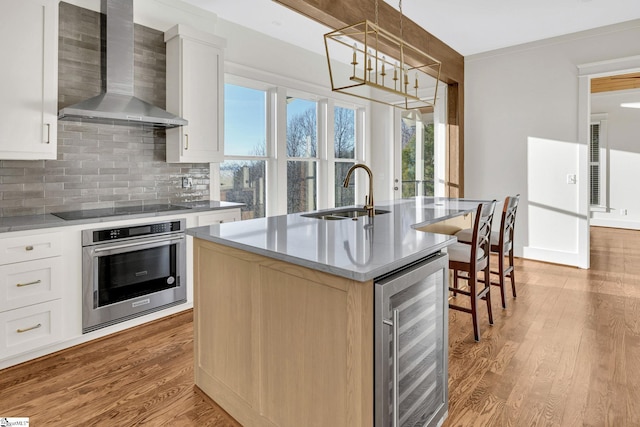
(565, 353)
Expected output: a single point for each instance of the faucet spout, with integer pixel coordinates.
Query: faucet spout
(368, 201)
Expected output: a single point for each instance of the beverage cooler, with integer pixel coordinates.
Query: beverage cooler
(410, 357)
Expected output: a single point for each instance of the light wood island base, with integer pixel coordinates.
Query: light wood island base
(278, 344)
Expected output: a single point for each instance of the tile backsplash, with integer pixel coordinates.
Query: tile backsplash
(100, 165)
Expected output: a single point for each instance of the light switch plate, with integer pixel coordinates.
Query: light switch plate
(571, 179)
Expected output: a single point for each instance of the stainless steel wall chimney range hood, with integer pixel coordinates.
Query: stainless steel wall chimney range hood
(118, 104)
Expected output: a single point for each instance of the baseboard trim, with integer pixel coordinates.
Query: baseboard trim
(555, 257)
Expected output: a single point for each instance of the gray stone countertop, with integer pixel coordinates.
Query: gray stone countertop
(33, 222)
(360, 249)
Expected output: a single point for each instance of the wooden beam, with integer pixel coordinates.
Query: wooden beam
(619, 82)
(454, 173)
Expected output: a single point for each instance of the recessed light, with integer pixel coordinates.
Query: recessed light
(630, 104)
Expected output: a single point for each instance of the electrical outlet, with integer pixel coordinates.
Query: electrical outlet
(187, 182)
(571, 179)
(623, 211)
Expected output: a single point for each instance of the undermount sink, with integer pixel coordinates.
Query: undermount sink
(337, 214)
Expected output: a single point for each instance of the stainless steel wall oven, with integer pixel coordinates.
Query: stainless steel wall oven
(131, 271)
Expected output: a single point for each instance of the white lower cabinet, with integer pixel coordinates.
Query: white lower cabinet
(31, 280)
(41, 287)
(31, 327)
(27, 248)
(219, 217)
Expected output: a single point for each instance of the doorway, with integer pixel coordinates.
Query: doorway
(586, 74)
(419, 151)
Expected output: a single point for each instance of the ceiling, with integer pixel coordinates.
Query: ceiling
(468, 26)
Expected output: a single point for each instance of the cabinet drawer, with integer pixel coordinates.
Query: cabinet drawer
(31, 282)
(219, 217)
(28, 328)
(28, 248)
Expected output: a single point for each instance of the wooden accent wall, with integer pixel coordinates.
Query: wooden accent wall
(338, 14)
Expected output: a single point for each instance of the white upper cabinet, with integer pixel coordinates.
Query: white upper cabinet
(29, 79)
(195, 92)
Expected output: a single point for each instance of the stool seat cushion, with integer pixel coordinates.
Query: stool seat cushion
(466, 235)
(461, 252)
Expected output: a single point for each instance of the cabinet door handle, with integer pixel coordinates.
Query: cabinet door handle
(48, 141)
(28, 248)
(186, 141)
(35, 282)
(21, 331)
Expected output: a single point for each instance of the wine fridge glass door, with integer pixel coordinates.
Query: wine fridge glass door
(411, 345)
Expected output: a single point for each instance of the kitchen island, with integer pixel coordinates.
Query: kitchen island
(284, 309)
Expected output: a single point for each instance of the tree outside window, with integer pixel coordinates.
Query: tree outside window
(302, 145)
(344, 151)
(417, 158)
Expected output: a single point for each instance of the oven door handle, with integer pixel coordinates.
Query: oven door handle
(140, 243)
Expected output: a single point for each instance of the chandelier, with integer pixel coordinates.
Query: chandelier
(371, 63)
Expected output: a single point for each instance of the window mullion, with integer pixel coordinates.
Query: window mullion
(279, 122)
(419, 166)
(326, 168)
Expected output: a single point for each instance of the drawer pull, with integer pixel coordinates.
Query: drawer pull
(35, 282)
(28, 248)
(20, 331)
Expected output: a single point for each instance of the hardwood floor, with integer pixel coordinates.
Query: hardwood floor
(143, 376)
(566, 352)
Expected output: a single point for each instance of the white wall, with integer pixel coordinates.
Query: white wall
(623, 154)
(521, 118)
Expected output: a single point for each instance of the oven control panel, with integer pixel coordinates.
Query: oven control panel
(110, 234)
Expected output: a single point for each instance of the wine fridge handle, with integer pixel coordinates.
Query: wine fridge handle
(395, 325)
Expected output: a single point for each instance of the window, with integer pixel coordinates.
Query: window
(302, 149)
(597, 162)
(594, 164)
(287, 151)
(242, 176)
(344, 144)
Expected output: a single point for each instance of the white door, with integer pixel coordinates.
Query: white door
(419, 152)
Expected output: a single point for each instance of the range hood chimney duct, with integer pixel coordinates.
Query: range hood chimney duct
(117, 103)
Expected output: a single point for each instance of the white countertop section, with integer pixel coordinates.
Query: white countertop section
(360, 249)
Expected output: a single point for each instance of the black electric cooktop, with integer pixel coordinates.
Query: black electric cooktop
(117, 211)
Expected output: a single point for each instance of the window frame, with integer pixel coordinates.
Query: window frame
(276, 139)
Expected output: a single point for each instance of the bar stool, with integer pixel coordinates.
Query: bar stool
(471, 259)
(502, 245)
